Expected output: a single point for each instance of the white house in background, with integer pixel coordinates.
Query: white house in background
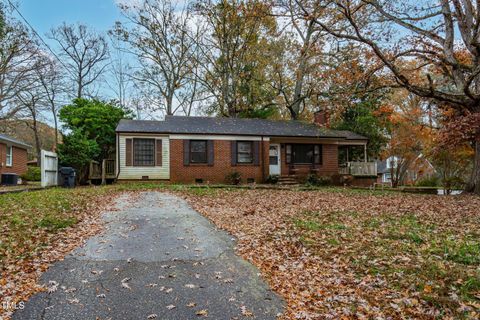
(420, 168)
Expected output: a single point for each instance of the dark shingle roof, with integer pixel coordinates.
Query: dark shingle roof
(233, 126)
(7, 139)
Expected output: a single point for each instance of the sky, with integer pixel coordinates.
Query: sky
(45, 14)
(100, 15)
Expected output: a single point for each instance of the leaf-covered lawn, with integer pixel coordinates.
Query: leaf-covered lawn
(334, 254)
(40, 227)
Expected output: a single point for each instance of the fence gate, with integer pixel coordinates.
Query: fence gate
(49, 168)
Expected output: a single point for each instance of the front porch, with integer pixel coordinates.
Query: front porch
(295, 159)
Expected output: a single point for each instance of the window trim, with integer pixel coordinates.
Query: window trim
(191, 152)
(154, 153)
(317, 154)
(251, 152)
(9, 158)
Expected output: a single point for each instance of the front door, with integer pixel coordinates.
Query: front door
(274, 159)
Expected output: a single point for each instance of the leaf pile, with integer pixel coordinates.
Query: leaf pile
(349, 254)
(38, 228)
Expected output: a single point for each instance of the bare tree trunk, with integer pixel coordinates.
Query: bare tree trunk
(169, 103)
(38, 145)
(474, 184)
(80, 87)
(55, 122)
(301, 71)
(34, 126)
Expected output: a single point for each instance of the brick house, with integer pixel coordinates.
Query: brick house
(205, 149)
(13, 155)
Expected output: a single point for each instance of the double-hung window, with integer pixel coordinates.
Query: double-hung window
(9, 161)
(244, 152)
(144, 152)
(198, 151)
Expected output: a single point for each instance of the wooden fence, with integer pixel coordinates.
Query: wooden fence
(48, 168)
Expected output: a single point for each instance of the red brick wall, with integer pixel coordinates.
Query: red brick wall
(328, 167)
(363, 181)
(19, 165)
(221, 168)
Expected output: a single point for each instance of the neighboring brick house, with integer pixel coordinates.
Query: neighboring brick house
(206, 150)
(13, 155)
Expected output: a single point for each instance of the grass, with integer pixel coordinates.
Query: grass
(54, 223)
(28, 217)
(466, 251)
(30, 185)
(434, 261)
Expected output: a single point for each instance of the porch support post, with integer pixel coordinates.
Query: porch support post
(365, 152)
(104, 171)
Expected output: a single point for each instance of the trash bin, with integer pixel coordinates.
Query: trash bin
(67, 177)
(9, 179)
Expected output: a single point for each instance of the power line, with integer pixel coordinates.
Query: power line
(40, 37)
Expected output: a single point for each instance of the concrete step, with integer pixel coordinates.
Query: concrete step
(287, 177)
(288, 180)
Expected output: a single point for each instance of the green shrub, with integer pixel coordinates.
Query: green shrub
(315, 180)
(32, 174)
(233, 178)
(431, 181)
(273, 179)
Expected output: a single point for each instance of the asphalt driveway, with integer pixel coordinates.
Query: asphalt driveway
(157, 259)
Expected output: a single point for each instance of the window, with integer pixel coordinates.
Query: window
(304, 153)
(198, 151)
(342, 156)
(288, 152)
(387, 177)
(317, 154)
(9, 162)
(244, 152)
(350, 154)
(143, 152)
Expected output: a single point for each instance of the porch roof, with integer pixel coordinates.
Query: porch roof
(233, 126)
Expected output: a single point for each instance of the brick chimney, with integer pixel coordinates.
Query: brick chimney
(321, 118)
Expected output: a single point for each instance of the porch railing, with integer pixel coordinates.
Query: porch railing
(366, 169)
(102, 171)
(109, 168)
